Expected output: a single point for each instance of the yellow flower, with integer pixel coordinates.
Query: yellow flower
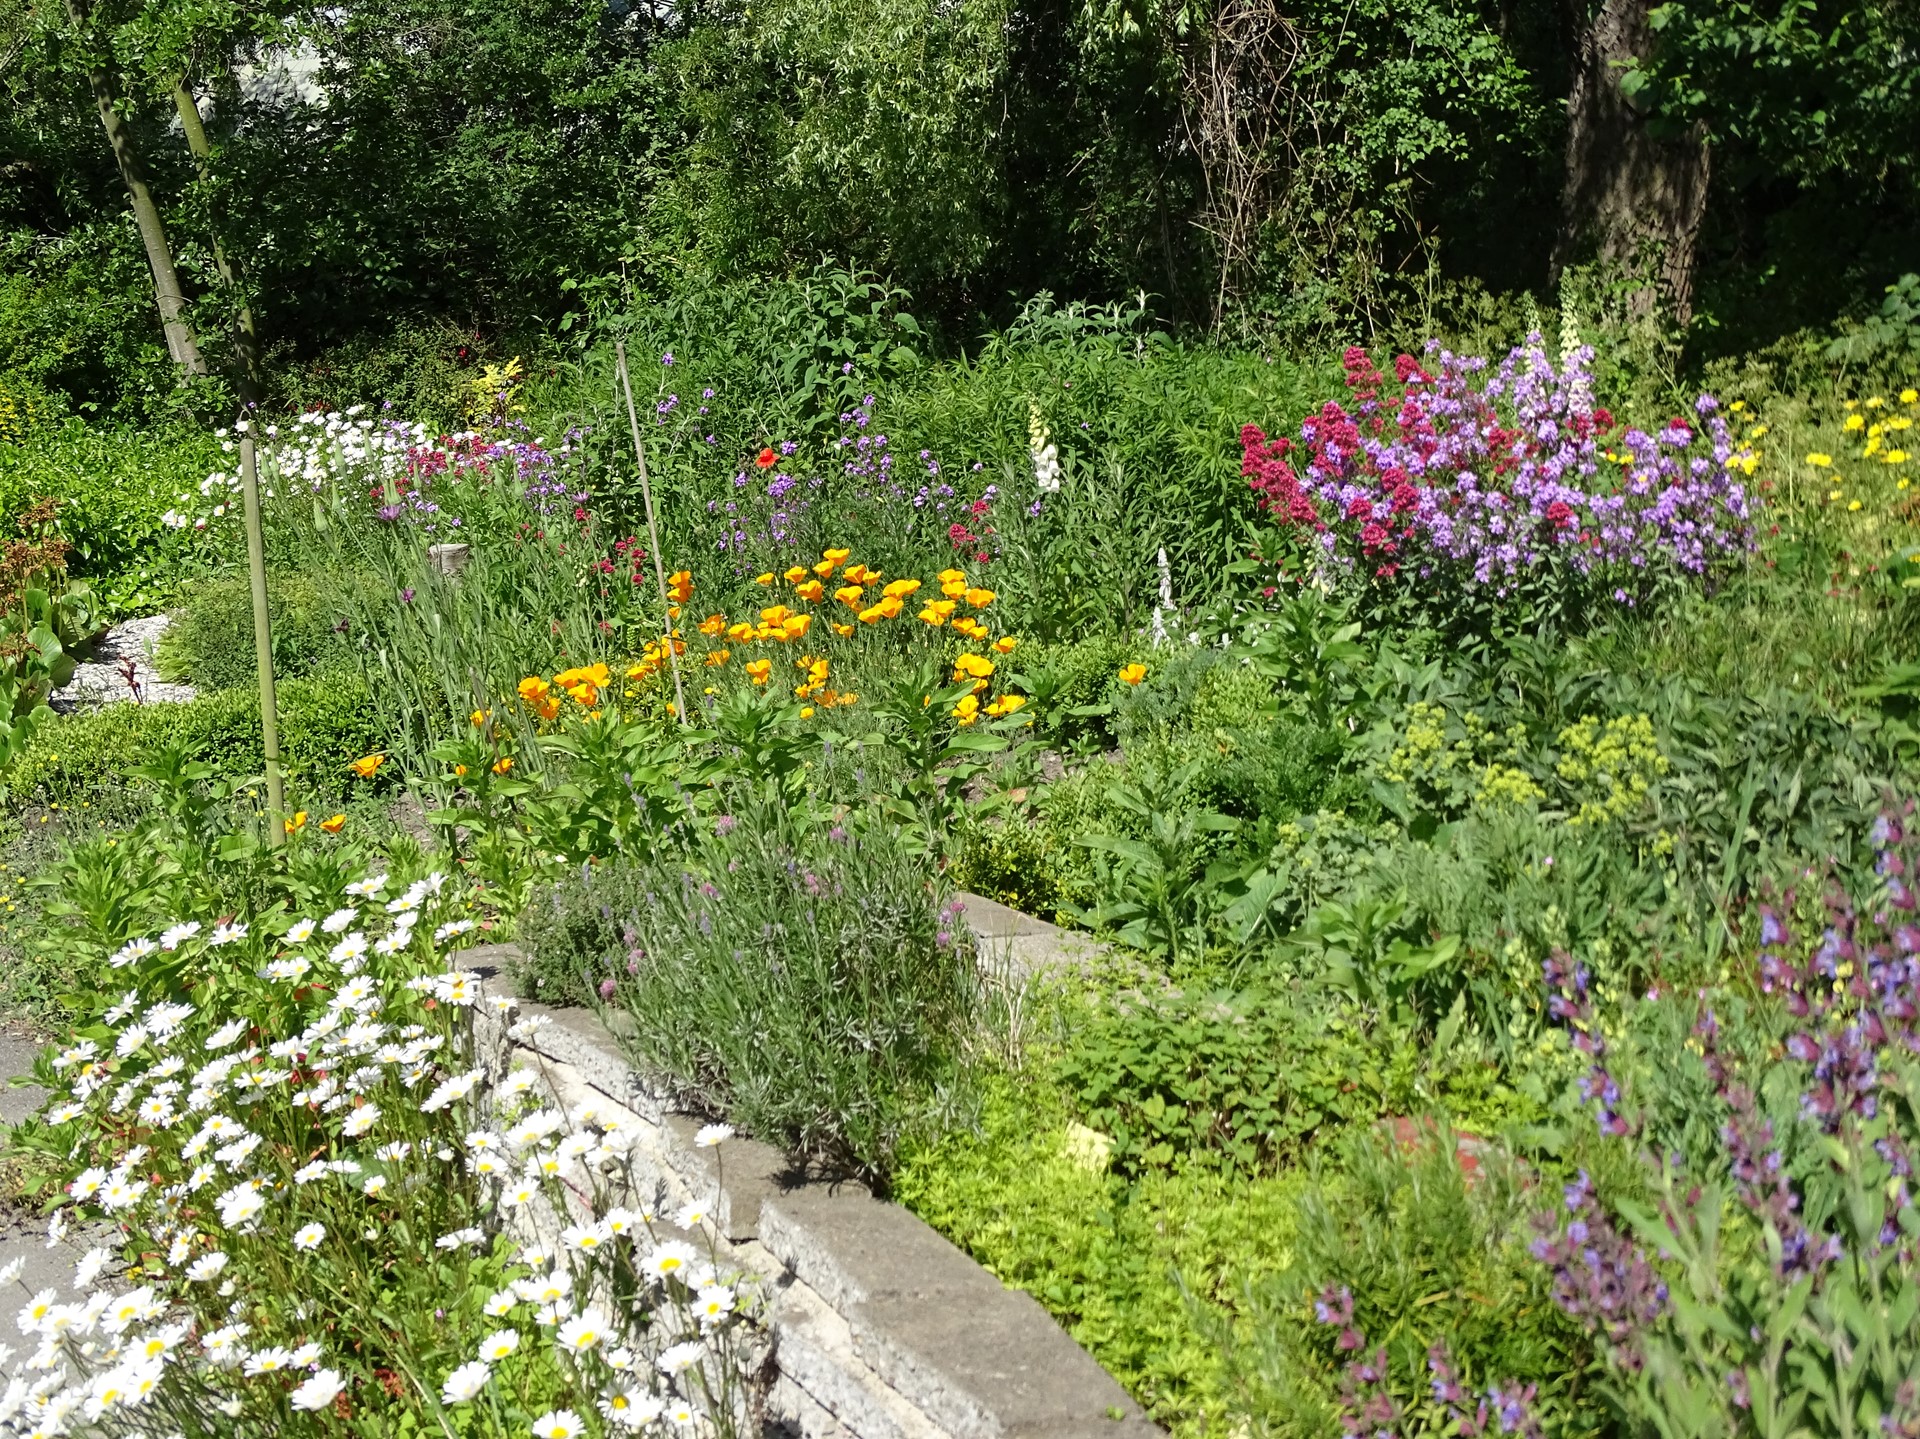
(1894, 457)
(1757, 431)
(459, 771)
(765, 579)
(1855, 422)
(842, 630)
(971, 666)
(774, 614)
(971, 628)
(1853, 504)
(811, 591)
(834, 557)
(824, 568)
(1819, 460)
(713, 625)
(849, 595)
(1133, 674)
(954, 589)
(1006, 705)
(367, 764)
(334, 824)
(795, 575)
(1900, 422)
(680, 586)
(716, 658)
(298, 822)
(480, 717)
(740, 633)
(806, 711)
(858, 574)
(900, 589)
(952, 577)
(980, 599)
(1876, 403)
(1005, 644)
(968, 710)
(1833, 494)
(796, 626)
(503, 764)
(758, 670)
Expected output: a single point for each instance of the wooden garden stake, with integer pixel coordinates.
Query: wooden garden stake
(653, 531)
(262, 641)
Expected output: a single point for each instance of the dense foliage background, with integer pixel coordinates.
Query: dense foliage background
(1274, 169)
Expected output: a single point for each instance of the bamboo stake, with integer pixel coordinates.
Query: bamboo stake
(262, 642)
(653, 531)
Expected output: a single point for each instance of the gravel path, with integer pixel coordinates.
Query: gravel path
(23, 1233)
(101, 679)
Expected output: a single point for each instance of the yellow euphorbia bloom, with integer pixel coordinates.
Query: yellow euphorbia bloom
(758, 670)
(1133, 674)
(367, 764)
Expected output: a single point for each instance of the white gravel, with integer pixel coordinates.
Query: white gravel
(101, 678)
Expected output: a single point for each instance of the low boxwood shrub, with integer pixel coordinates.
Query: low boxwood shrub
(803, 980)
(210, 642)
(325, 721)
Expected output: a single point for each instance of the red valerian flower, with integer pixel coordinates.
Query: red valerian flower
(766, 459)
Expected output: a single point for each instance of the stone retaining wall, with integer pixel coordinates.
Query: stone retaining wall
(880, 1329)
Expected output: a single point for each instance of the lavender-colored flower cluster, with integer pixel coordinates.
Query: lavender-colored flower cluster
(1482, 480)
(1368, 1409)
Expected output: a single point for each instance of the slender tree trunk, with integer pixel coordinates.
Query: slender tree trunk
(246, 342)
(146, 214)
(1632, 198)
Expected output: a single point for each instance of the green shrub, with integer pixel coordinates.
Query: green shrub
(805, 983)
(1430, 1254)
(325, 721)
(210, 643)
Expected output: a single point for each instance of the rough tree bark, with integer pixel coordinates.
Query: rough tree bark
(1632, 198)
(153, 232)
(246, 341)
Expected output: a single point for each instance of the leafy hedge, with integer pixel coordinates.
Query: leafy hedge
(324, 722)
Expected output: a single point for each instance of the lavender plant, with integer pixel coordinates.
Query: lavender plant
(1773, 1291)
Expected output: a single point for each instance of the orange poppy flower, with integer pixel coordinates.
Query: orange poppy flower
(766, 459)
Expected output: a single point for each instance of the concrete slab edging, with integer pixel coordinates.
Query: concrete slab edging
(879, 1327)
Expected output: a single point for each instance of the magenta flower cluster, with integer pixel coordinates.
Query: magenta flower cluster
(1450, 474)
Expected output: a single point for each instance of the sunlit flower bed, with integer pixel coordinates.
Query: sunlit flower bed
(330, 1220)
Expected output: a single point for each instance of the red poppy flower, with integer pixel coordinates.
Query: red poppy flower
(766, 459)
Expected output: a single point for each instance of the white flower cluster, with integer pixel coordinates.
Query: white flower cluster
(1046, 458)
(324, 1118)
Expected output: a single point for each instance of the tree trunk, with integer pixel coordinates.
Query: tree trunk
(246, 341)
(1632, 199)
(146, 214)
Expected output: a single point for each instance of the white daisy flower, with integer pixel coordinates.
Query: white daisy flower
(339, 920)
(300, 932)
(465, 1382)
(309, 1236)
(318, 1392)
(229, 933)
(557, 1424)
(499, 1345)
(179, 934)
